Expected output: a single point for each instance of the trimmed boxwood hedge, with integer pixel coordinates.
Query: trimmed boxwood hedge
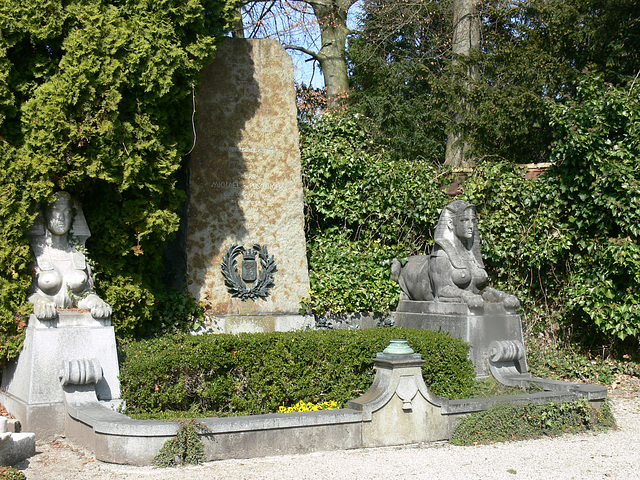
(256, 373)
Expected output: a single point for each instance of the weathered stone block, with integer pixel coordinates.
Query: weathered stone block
(31, 388)
(245, 186)
(15, 447)
(398, 408)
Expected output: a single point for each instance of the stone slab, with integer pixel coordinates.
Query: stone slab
(31, 388)
(17, 447)
(245, 177)
(479, 328)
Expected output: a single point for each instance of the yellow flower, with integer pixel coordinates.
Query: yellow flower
(309, 407)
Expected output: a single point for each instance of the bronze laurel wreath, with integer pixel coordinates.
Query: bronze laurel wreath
(236, 287)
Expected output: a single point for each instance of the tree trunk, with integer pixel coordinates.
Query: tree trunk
(332, 19)
(238, 25)
(466, 38)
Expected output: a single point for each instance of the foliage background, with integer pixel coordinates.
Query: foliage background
(566, 243)
(357, 219)
(96, 99)
(555, 84)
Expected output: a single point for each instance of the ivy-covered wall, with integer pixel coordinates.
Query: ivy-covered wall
(363, 208)
(96, 99)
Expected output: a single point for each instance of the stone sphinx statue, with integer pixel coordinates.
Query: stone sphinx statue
(62, 277)
(454, 272)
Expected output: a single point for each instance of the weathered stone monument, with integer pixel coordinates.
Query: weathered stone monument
(69, 336)
(246, 251)
(448, 291)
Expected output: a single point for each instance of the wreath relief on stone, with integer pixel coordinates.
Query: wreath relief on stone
(235, 282)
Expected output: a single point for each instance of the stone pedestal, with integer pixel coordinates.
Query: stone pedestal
(31, 388)
(245, 186)
(398, 408)
(480, 328)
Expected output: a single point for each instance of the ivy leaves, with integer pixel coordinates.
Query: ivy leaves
(599, 178)
(568, 241)
(363, 209)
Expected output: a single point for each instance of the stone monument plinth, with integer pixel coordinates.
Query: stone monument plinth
(31, 386)
(245, 192)
(485, 329)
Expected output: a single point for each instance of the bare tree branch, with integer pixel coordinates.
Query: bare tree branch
(311, 53)
(317, 28)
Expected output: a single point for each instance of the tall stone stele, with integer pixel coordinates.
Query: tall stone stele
(70, 327)
(245, 245)
(448, 291)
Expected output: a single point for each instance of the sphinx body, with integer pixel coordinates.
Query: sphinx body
(62, 277)
(454, 272)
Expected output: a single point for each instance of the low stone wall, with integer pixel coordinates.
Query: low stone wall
(76, 394)
(398, 409)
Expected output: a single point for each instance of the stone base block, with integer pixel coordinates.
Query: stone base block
(276, 322)
(31, 388)
(17, 447)
(398, 408)
(44, 419)
(478, 328)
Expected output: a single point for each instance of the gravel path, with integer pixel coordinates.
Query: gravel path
(611, 455)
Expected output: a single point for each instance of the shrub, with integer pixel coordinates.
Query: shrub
(563, 362)
(505, 422)
(350, 276)
(257, 373)
(185, 448)
(354, 187)
(599, 181)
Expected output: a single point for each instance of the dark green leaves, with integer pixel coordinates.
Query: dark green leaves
(363, 208)
(95, 98)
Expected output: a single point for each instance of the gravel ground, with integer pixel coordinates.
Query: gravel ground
(610, 455)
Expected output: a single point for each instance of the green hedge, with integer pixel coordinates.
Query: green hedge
(256, 373)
